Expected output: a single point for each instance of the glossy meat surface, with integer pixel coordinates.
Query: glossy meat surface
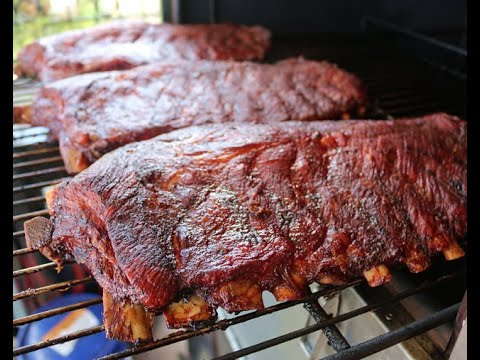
(127, 44)
(227, 211)
(93, 114)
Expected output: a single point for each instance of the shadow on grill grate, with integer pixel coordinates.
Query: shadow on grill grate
(397, 87)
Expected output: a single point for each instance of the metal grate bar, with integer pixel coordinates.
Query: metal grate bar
(19, 233)
(47, 150)
(37, 268)
(32, 131)
(37, 162)
(23, 251)
(39, 184)
(24, 99)
(312, 328)
(31, 174)
(57, 311)
(334, 336)
(24, 95)
(30, 215)
(65, 285)
(21, 126)
(394, 337)
(62, 339)
(37, 144)
(29, 200)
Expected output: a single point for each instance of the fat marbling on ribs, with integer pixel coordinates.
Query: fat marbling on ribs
(93, 114)
(213, 215)
(126, 44)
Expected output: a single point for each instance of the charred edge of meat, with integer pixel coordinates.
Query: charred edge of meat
(125, 320)
(50, 195)
(38, 235)
(38, 232)
(22, 114)
(73, 159)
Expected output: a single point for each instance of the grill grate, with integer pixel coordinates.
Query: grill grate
(397, 86)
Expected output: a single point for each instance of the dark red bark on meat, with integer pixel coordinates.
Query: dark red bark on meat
(127, 44)
(92, 114)
(226, 211)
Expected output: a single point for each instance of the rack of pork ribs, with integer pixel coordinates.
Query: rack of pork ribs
(92, 114)
(212, 216)
(126, 44)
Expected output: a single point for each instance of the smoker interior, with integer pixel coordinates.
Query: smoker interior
(400, 83)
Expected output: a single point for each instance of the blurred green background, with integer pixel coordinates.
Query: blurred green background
(33, 19)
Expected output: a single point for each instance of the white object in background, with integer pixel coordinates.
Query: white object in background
(74, 321)
(63, 8)
(177, 350)
(459, 351)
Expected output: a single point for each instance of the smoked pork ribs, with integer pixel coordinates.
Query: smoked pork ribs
(126, 44)
(211, 216)
(92, 114)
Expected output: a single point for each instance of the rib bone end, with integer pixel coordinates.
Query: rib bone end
(187, 312)
(239, 295)
(126, 321)
(377, 275)
(453, 251)
(74, 160)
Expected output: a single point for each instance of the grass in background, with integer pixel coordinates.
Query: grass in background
(32, 18)
(26, 33)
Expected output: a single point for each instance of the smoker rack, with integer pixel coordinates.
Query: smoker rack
(398, 86)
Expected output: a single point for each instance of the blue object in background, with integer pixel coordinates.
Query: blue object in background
(85, 348)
